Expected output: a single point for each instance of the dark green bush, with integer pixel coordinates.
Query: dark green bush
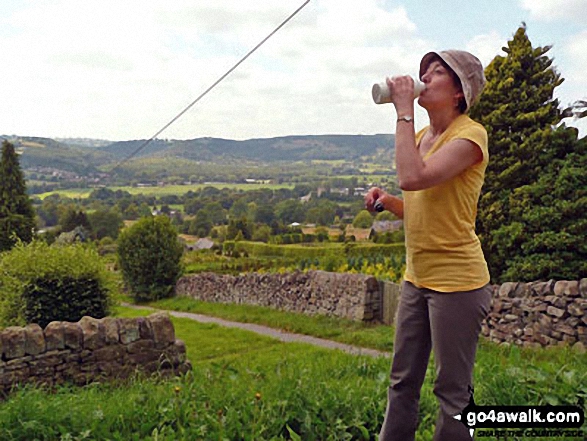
(149, 256)
(40, 283)
(67, 299)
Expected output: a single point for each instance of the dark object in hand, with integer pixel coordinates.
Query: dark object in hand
(379, 206)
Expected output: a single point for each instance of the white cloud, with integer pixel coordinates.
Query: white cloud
(574, 87)
(487, 46)
(575, 51)
(551, 10)
(121, 70)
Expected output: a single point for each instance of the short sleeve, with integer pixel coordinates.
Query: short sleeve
(477, 134)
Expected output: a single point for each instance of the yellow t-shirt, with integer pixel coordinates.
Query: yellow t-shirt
(443, 253)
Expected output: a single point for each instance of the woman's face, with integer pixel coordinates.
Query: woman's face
(441, 89)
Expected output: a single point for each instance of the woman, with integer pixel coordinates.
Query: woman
(445, 293)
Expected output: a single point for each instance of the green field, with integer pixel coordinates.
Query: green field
(167, 190)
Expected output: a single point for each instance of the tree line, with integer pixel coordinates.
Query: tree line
(258, 214)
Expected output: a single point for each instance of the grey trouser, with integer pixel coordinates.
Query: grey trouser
(448, 323)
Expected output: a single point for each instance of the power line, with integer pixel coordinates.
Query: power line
(180, 114)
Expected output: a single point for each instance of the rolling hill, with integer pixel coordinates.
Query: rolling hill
(288, 148)
(91, 157)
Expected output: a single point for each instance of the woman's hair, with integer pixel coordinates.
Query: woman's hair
(462, 105)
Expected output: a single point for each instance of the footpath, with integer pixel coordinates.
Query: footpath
(271, 332)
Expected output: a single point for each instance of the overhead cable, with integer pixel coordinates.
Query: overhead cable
(203, 94)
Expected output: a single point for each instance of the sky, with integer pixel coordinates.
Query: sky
(121, 70)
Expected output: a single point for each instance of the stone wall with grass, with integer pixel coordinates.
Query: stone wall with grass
(89, 350)
(352, 296)
(529, 314)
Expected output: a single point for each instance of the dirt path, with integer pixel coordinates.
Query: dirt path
(271, 332)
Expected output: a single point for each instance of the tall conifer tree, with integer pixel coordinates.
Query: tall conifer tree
(532, 212)
(17, 217)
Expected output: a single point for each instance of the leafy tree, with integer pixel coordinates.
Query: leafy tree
(177, 219)
(549, 224)
(201, 225)
(262, 233)
(73, 218)
(105, 194)
(289, 211)
(211, 192)
(123, 205)
(264, 213)
(170, 199)
(238, 209)
(144, 210)
(215, 212)
(149, 255)
(531, 219)
(48, 211)
(105, 223)
(131, 212)
(302, 189)
(363, 220)
(321, 212)
(238, 226)
(17, 217)
(385, 216)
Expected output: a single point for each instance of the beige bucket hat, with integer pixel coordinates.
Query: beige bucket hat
(467, 67)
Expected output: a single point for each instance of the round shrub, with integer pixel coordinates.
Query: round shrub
(40, 283)
(149, 256)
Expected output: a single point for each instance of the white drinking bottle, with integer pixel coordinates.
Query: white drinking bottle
(382, 95)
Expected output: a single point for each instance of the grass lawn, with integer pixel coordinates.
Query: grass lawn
(332, 328)
(246, 386)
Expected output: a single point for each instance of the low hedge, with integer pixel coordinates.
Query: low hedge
(64, 299)
(260, 249)
(40, 283)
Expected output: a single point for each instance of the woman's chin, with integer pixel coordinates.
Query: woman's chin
(422, 102)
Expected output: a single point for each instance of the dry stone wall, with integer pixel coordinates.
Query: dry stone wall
(539, 313)
(353, 296)
(529, 314)
(89, 350)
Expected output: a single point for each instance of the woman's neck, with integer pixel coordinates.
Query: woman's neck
(439, 121)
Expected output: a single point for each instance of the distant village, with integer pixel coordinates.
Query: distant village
(54, 174)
